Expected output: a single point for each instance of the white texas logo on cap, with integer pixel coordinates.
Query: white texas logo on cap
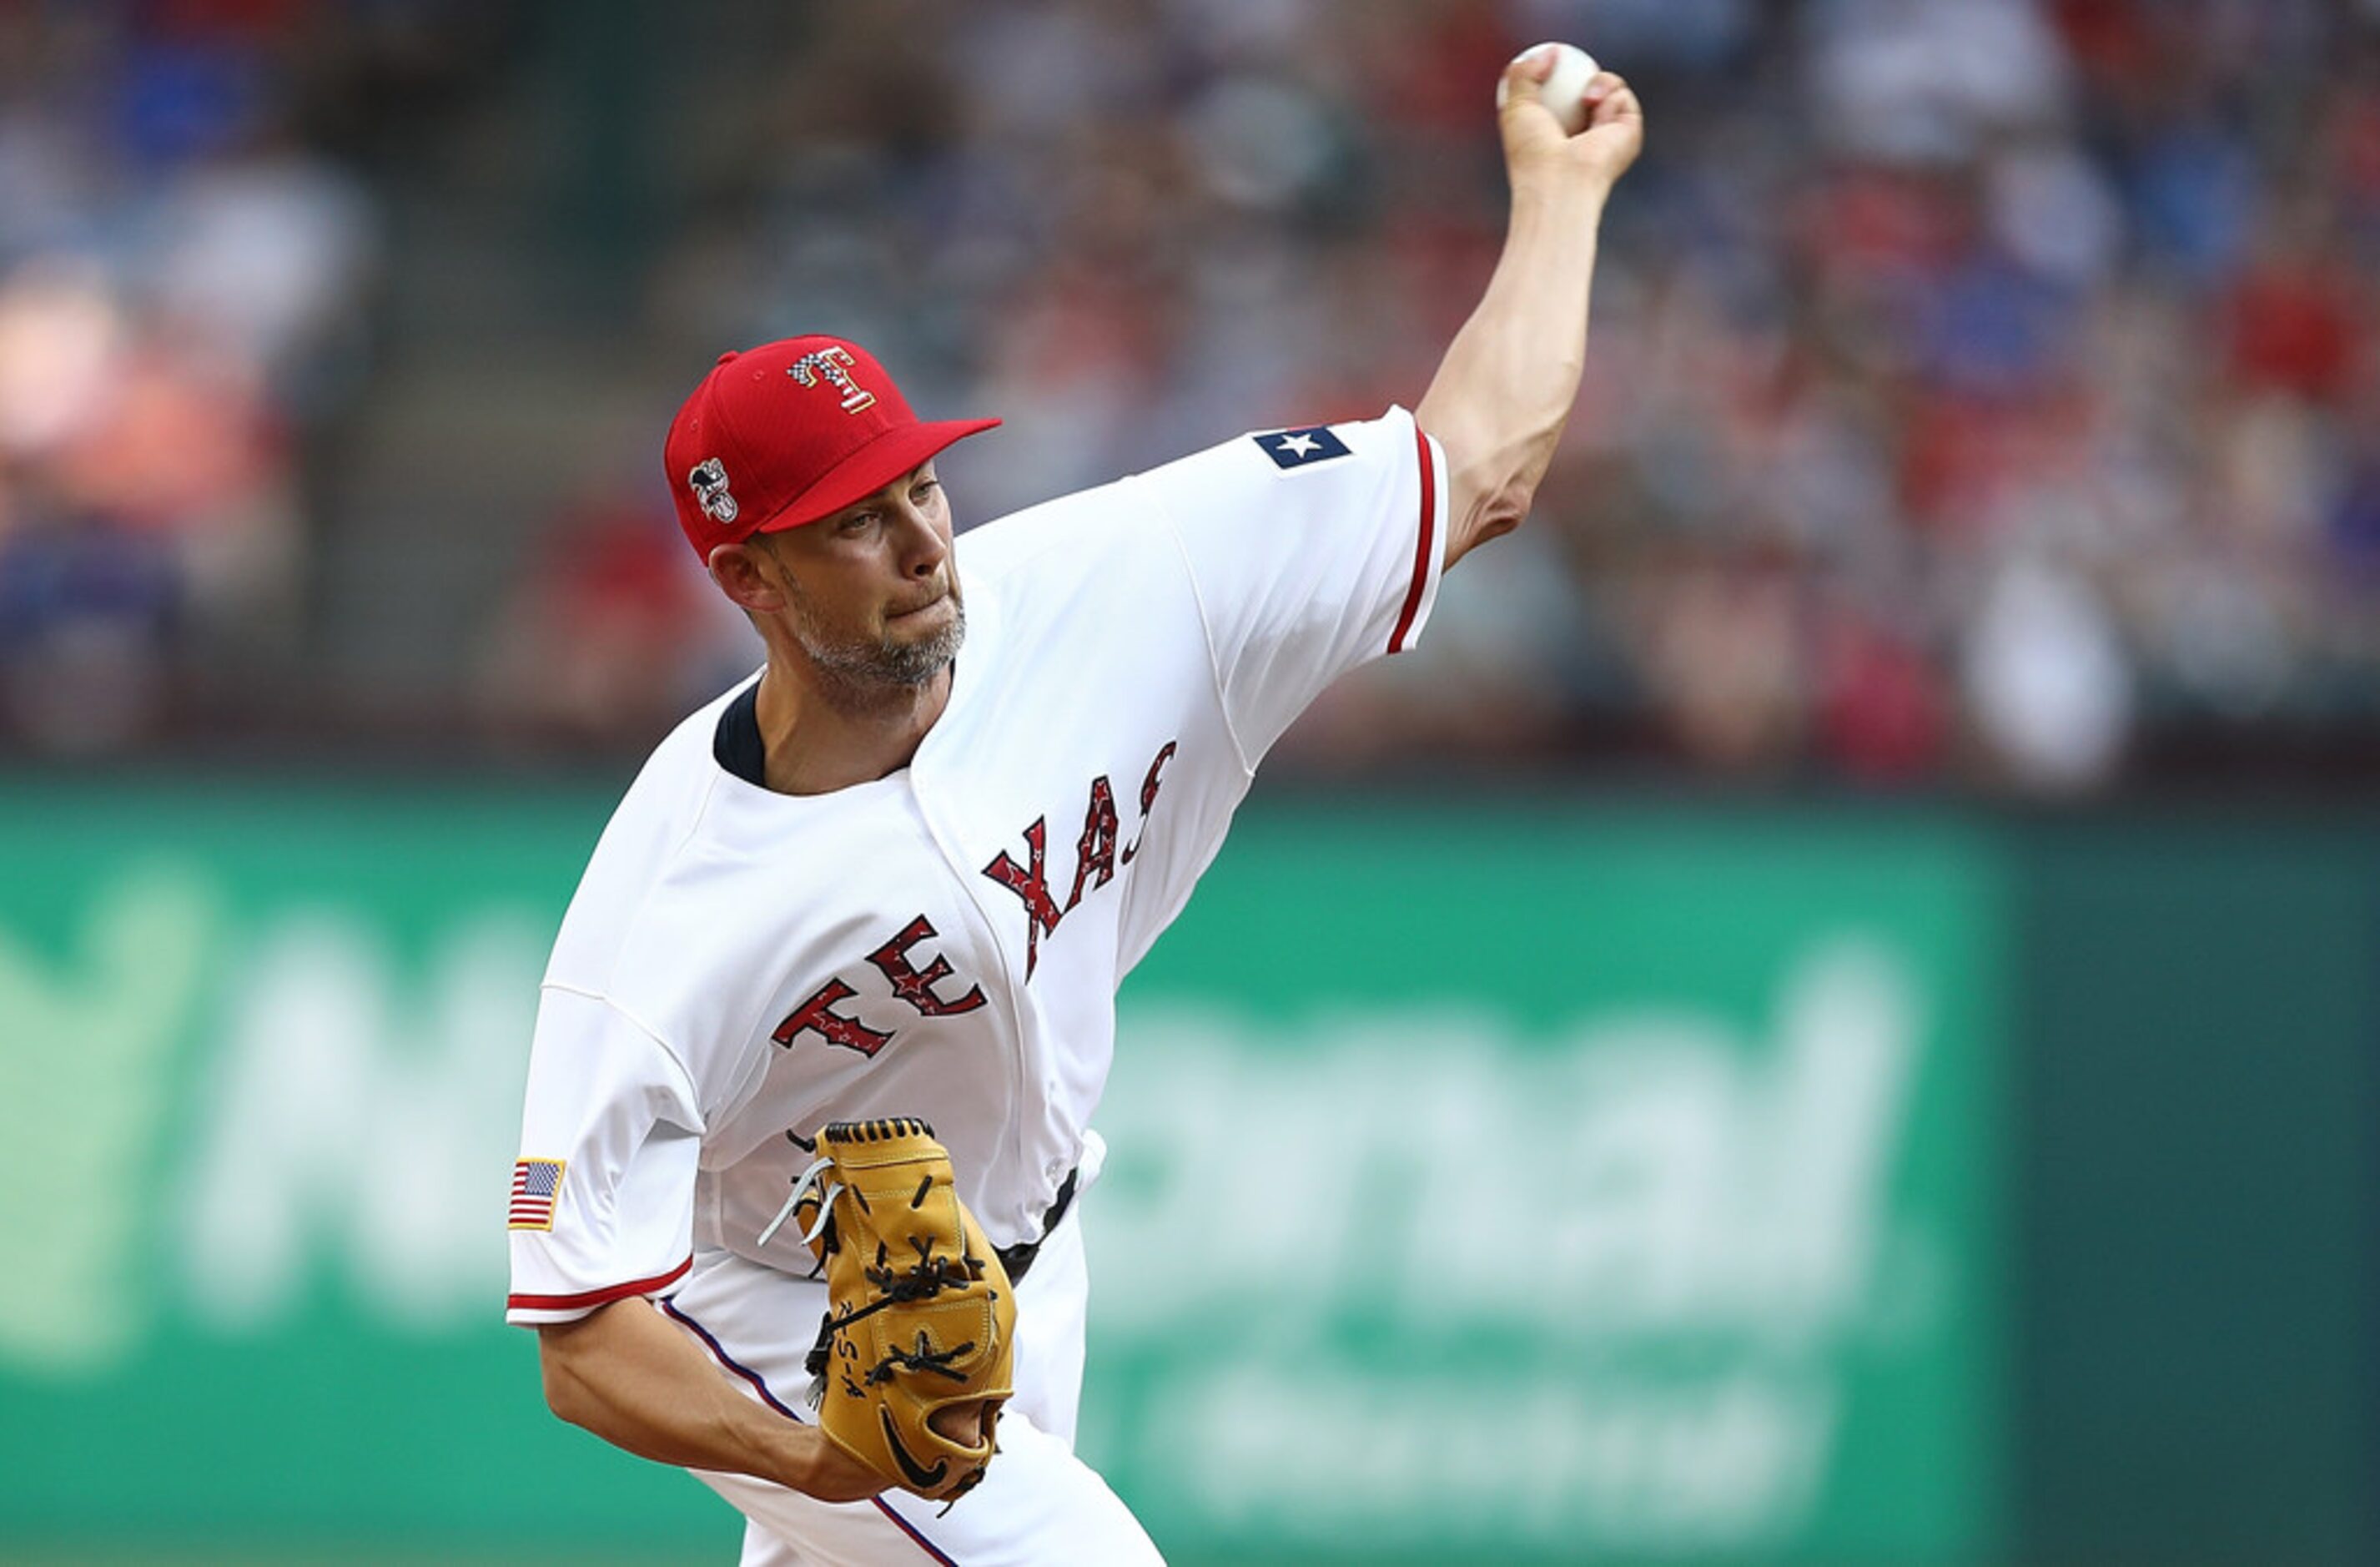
(834, 365)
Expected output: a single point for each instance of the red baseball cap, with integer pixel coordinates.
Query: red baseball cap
(789, 432)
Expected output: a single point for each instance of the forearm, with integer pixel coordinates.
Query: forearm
(1504, 390)
(1505, 387)
(633, 1378)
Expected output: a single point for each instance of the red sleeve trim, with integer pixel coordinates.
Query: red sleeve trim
(587, 1300)
(1423, 553)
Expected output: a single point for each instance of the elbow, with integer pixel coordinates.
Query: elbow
(566, 1392)
(1504, 508)
(1491, 522)
(564, 1395)
(1492, 478)
(1484, 506)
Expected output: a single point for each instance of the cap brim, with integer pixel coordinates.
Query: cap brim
(871, 468)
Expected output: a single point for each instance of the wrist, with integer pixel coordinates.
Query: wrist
(787, 1451)
(1560, 196)
(817, 1455)
(829, 1470)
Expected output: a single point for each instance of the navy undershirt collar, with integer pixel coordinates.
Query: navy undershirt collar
(735, 744)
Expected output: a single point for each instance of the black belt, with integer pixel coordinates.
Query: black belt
(1019, 1257)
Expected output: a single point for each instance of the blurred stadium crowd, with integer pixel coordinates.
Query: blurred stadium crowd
(187, 262)
(1982, 392)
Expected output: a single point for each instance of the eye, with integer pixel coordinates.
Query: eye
(859, 522)
(924, 488)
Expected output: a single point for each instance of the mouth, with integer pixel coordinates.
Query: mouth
(920, 609)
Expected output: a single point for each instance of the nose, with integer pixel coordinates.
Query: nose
(922, 544)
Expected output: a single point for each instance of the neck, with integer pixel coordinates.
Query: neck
(822, 731)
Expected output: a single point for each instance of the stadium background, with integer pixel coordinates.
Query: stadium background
(1886, 851)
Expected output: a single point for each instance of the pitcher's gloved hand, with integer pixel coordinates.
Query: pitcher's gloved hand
(913, 1360)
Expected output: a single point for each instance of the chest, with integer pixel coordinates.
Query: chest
(951, 901)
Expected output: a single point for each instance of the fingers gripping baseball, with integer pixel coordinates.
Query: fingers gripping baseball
(1533, 100)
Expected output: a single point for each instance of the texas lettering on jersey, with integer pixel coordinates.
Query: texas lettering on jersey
(1099, 852)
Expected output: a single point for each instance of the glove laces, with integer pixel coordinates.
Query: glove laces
(801, 1188)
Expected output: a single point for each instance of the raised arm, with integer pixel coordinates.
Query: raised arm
(632, 1379)
(1505, 387)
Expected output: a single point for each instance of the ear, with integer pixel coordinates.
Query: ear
(745, 573)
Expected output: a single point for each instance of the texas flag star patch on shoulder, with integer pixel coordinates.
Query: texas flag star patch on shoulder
(1302, 448)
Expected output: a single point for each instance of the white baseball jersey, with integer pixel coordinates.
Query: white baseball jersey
(741, 967)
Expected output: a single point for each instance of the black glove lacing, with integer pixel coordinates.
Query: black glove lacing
(928, 1277)
(925, 1358)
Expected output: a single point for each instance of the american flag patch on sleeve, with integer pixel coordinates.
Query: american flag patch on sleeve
(537, 1186)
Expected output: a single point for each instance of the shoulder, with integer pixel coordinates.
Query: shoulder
(679, 775)
(1275, 465)
(657, 817)
(1090, 522)
(1285, 462)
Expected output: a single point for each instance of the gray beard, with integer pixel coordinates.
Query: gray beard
(869, 674)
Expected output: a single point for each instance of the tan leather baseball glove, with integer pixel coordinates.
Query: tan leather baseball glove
(913, 1360)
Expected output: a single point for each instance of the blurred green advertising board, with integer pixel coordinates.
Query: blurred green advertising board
(1545, 1184)
(1559, 1184)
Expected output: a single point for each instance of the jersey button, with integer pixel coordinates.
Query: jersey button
(1057, 1170)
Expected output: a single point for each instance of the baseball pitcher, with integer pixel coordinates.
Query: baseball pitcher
(808, 1118)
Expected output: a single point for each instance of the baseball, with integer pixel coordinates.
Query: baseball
(1565, 91)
